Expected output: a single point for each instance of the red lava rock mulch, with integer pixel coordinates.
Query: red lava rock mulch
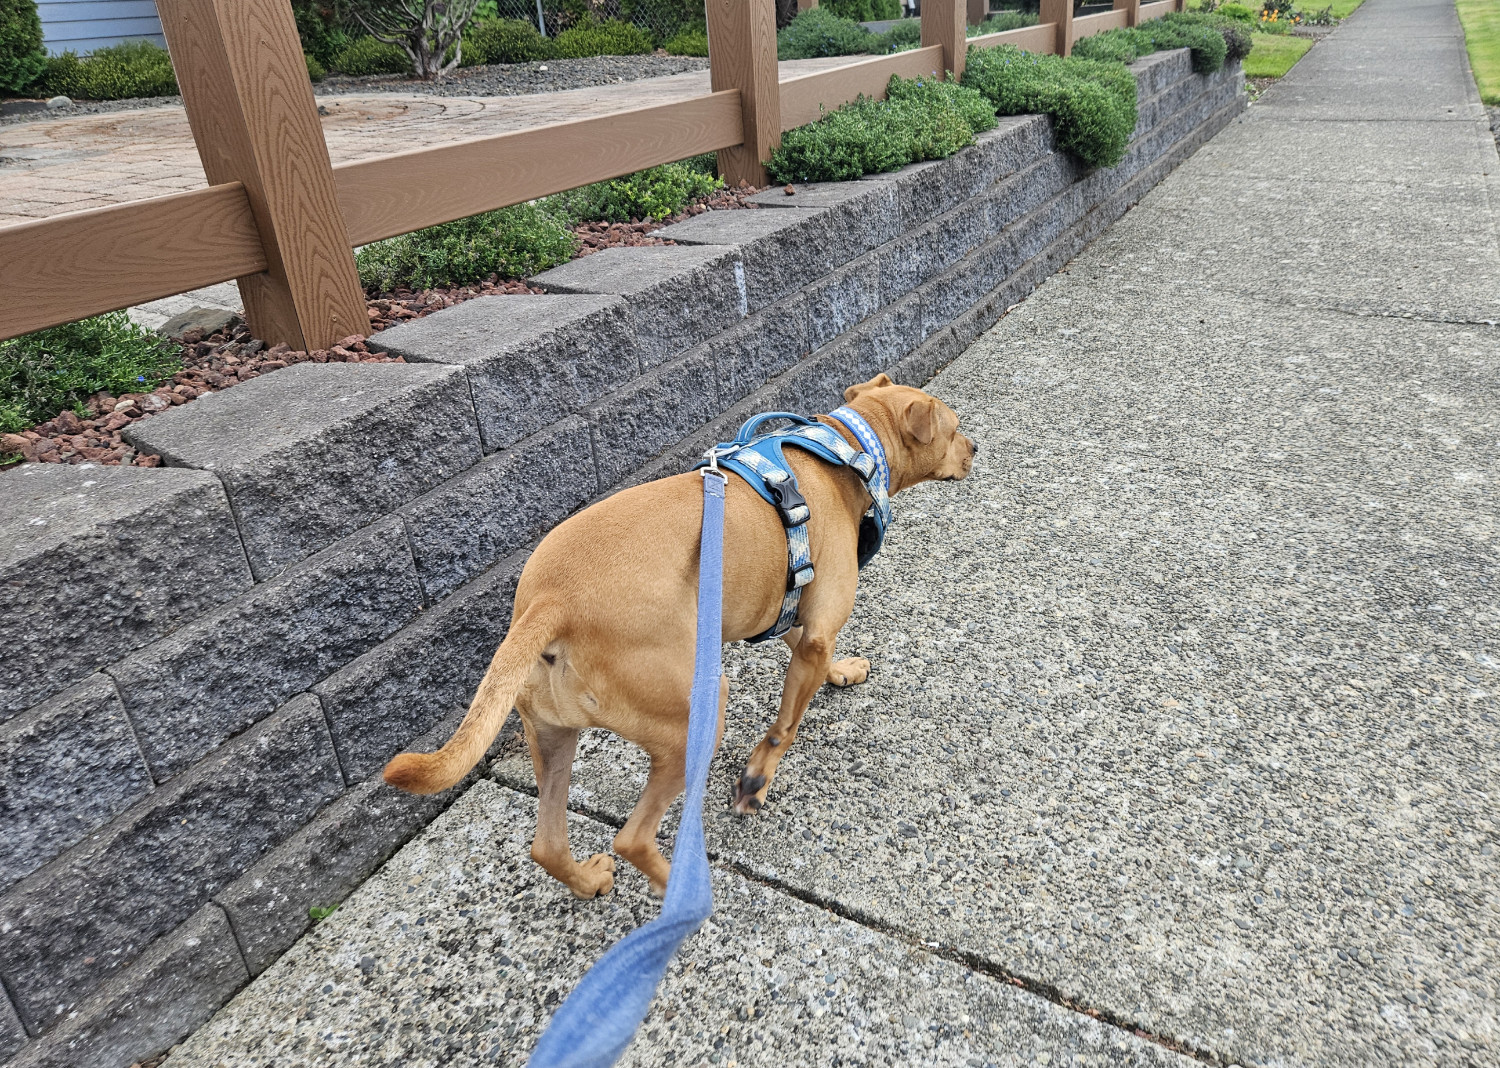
(226, 359)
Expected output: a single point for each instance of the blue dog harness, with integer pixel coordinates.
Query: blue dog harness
(758, 459)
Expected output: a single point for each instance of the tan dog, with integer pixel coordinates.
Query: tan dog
(606, 612)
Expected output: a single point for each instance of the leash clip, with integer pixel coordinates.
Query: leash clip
(713, 467)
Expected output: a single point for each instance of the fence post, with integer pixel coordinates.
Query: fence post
(1132, 9)
(742, 55)
(944, 22)
(1060, 12)
(979, 10)
(250, 105)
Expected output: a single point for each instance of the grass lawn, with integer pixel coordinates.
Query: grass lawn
(1481, 19)
(1342, 9)
(1273, 56)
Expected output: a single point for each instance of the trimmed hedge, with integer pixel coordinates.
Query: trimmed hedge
(44, 373)
(919, 120)
(365, 55)
(688, 41)
(22, 58)
(504, 41)
(1092, 103)
(131, 69)
(819, 32)
(593, 37)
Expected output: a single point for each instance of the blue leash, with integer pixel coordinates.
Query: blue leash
(592, 1028)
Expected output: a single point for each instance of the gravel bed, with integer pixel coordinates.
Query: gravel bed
(222, 360)
(499, 79)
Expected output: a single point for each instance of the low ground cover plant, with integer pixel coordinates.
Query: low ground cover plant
(919, 120)
(54, 370)
(522, 240)
(1209, 38)
(1092, 103)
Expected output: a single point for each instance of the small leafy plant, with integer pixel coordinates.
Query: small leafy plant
(688, 41)
(819, 32)
(1092, 103)
(1001, 21)
(48, 371)
(319, 913)
(919, 120)
(654, 193)
(511, 242)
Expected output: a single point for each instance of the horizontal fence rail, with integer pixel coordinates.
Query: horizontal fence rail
(86, 262)
(83, 263)
(397, 194)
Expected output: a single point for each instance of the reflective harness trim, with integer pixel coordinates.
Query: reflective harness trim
(758, 459)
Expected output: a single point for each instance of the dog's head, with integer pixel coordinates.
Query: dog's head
(923, 441)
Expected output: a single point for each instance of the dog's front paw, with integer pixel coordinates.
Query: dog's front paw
(596, 876)
(849, 672)
(749, 793)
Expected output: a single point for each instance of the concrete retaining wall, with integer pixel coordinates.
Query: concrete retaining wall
(208, 663)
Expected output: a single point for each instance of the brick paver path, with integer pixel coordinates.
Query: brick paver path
(69, 164)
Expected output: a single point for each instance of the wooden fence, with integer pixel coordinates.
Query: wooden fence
(279, 218)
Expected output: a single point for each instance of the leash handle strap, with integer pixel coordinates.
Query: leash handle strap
(600, 1017)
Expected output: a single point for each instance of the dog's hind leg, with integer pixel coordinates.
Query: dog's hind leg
(850, 671)
(636, 841)
(552, 750)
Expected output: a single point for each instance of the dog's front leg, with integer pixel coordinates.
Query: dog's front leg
(850, 671)
(552, 749)
(812, 658)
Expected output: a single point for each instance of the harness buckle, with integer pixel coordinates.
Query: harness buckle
(799, 576)
(789, 503)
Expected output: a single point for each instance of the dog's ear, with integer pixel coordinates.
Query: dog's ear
(919, 418)
(859, 387)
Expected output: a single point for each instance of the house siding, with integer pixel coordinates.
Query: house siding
(84, 25)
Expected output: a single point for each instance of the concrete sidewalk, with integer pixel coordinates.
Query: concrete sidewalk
(1180, 737)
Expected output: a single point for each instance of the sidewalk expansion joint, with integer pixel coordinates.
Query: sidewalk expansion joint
(976, 963)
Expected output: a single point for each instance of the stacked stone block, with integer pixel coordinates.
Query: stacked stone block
(209, 663)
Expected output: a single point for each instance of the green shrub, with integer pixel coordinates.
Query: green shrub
(688, 41)
(1237, 12)
(505, 41)
(864, 10)
(315, 71)
(592, 37)
(667, 18)
(905, 34)
(1208, 40)
(1238, 37)
(320, 24)
(654, 193)
(1002, 21)
(819, 32)
(365, 55)
(1092, 103)
(22, 58)
(919, 120)
(512, 243)
(131, 69)
(42, 374)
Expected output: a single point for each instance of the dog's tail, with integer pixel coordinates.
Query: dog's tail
(430, 773)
